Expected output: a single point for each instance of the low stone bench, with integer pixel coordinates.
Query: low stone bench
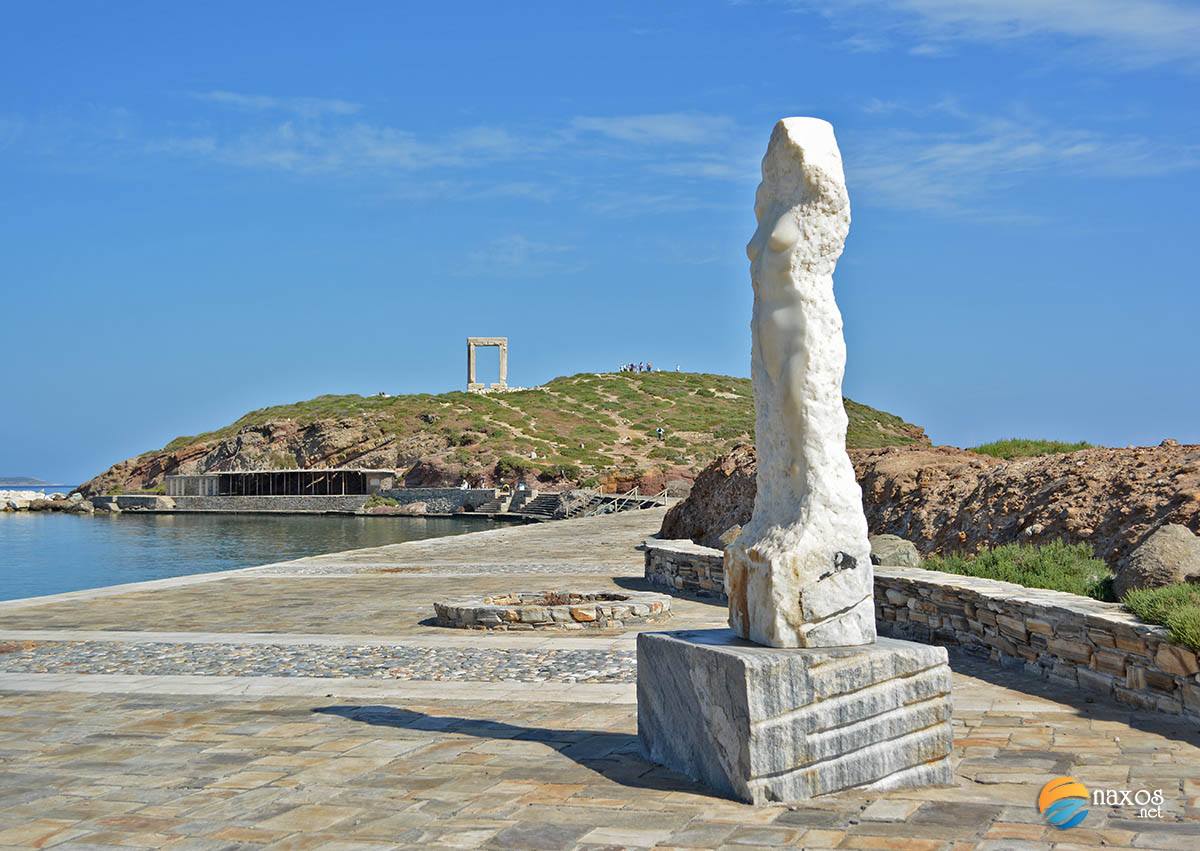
(1075, 641)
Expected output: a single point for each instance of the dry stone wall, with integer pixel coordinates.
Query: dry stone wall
(442, 500)
(684, 566)
(288, 504)
(1095, 646)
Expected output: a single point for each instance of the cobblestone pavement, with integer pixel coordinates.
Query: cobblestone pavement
(403, 662)
(147, 756)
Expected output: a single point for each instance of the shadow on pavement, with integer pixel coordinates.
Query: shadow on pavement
(633, 583)
(1084, 703)
(615, 756)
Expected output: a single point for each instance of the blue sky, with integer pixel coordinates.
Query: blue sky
(209, 208)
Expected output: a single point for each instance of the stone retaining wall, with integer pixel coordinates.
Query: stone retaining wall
(134, 502)
(442, 500)
(685, 566)
(266, 504)
(1095, 646)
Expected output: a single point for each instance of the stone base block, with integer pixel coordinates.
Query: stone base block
(764, 724)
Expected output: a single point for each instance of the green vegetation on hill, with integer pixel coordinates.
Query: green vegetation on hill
(1177, 607)
(577, 425)
(1017, 447)
(1055, 566)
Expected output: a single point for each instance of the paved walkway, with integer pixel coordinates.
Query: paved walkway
(307, 705)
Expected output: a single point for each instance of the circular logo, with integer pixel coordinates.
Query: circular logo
(1063, 802)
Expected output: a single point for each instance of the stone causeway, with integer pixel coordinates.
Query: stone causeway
(314, 704)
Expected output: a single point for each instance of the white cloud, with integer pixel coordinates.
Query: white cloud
(515, 255)
(967, 166)
(427, 166)
(305, 107)
(429, 190)
(336, 147)
(707, 168)
(951, 161)
(670, 127)
(628, 202)
(1136, 32)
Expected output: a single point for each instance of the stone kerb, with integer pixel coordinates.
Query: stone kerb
(1096, 646)
(553, 610)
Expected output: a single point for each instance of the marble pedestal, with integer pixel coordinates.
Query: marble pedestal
(764, 724)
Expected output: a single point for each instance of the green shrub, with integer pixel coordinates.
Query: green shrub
(562, 472)
(1184, 624)
(1017, 447)
(1056, 566)
(513, 467)
(377, 501)
(1154, 604)
(281, 461)
(461, 438)
(1177, 607)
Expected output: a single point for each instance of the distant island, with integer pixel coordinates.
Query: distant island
(24, 482)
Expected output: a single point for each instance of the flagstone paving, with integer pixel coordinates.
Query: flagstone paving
(184, 772)
(306, 705)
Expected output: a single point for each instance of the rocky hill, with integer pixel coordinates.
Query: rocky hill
(585, 429)
(952, 500)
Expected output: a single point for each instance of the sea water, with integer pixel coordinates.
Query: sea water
(44, 553)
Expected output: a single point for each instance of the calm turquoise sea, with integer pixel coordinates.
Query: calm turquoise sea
(50, 553)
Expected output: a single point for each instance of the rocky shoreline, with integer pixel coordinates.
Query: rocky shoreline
(27, 500)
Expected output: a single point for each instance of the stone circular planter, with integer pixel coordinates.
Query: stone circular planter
(564, 610)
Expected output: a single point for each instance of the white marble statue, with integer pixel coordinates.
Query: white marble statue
(799, 574)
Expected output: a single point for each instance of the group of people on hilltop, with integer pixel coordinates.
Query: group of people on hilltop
(640, 366)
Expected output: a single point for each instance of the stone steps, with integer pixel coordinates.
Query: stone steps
(542, 506)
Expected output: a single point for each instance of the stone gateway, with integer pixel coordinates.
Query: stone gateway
(474, 343)
(798, 699)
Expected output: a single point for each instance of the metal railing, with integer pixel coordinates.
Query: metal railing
(603, 503)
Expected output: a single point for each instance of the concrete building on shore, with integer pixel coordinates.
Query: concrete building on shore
(331, 482)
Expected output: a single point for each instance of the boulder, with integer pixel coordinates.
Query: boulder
(722, 496)
(894, 551)
(1170, 555)
(384, 510)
